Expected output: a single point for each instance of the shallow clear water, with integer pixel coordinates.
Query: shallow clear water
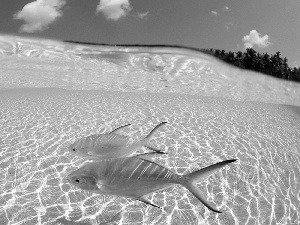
(53, 93)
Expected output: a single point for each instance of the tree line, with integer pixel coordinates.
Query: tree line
(273, 65)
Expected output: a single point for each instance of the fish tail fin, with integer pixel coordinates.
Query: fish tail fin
(191, 180)
(146, 141)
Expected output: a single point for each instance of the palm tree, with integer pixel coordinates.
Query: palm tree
(250, 58)
(270, 64)
(267, 63)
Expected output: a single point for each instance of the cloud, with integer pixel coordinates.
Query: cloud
(114, 9)
(226, 8)
(228, 25)
(38, 15)
(143, 15)
(214, 13)
(254, 38)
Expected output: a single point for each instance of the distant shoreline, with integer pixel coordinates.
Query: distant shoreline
(137, 45)
(272, 65)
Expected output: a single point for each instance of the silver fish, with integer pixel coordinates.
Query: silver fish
(111, 145)
(135, 177)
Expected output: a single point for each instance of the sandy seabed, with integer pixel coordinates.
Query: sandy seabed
(37, 126)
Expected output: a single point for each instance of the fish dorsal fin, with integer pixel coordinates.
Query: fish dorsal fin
(119, 129)
(151, 134)
(142, 199)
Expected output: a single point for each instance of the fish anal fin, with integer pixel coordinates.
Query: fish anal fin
(144, 200)
(119, 130)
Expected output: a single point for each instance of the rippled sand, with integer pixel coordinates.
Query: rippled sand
(37, 125)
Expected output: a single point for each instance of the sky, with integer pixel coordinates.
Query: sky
(233, 25)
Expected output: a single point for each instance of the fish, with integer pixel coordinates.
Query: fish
(111, 145)
(135, 177)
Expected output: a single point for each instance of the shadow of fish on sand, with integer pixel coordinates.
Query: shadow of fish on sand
(134, 177)
(111, 145)
(107, 221)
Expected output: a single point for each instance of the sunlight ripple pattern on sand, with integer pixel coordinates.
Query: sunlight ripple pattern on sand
(262, 187)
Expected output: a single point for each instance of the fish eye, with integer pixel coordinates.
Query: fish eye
(77, 180)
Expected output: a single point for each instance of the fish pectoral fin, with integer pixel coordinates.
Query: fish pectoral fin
(142, 199)
(100, 186)
(118, 130)
(141, 155)
(91, 153)
(157, 151)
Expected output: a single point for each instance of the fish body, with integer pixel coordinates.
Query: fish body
(110, 145)
(104, 146)
(135, 177)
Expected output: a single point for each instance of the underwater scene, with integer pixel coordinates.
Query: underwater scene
(54, 93)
